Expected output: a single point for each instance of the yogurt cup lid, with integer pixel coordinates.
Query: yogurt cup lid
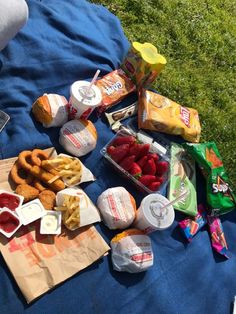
(152, 208)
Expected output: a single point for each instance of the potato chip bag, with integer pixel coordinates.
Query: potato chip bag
(158, 113)
(220, 196)
(143, 63)
(114, 87)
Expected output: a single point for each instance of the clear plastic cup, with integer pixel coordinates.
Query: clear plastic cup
(151, 217)
(83, 100)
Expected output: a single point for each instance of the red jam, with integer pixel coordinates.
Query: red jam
(8, 200)
(8, 222)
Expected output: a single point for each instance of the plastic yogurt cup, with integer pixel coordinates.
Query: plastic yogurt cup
(51, 222)
(150, 216)
(82, 102)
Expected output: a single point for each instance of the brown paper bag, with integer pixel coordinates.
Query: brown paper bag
(40, 262)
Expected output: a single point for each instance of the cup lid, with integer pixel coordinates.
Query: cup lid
(152, 208)
(91, 98)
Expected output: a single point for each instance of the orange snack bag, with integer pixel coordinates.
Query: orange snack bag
(114, 87)
(158, 113)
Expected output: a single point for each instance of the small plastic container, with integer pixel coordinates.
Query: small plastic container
(150, 217)
(155, 147)
(9, 222)
(51, 222)
(9, 202)
(31, 211)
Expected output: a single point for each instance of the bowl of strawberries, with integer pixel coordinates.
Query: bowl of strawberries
(138, 160)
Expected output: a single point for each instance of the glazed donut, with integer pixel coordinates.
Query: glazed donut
(39, 185)
(24, 159)
(19, 175)
(37, 156)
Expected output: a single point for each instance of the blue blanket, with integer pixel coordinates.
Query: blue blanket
(65, 41)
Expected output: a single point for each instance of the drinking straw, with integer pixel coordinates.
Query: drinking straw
(175, 200)
(92, 82)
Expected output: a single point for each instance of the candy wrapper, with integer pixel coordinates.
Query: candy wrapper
(121, 114)
(217, 236)
(190, 226)
(220, 196)
(114, 87)
(183, 178)
(143, 64)
(158, 113)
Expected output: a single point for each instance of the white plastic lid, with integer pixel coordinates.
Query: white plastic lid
(151, 206)
(79, 92)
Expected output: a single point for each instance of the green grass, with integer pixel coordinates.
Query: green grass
(198, 39)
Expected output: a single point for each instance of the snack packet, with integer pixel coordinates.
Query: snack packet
(114, 87)
(191, 225)
(158, 113)
(217, 236)
(131, 251)
(121, 114)
(183, 178)
(143, 64)
(77, 208)
(220, 197)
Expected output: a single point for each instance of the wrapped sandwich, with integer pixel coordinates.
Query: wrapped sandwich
(78, 137)
(117, 207)
(51, 110)
(131, 251)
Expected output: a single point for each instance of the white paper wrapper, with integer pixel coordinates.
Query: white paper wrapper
(132, 253)
(89, 214)
(116, 208)
(59, 112)
(76, 138)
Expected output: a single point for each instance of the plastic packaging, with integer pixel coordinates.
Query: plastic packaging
(143, 63)
(155, 149)
(183, 177)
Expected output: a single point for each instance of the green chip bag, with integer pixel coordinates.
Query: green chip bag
(220, 196)
(183, 178)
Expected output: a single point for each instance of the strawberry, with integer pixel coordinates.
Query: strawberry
(135, 170)
(139, 150)
(153, 156)
(147, 179)
(110, 149)
(144, 150)
(141, 162)
(120, 140)
(119, 152)
(150, 167)
(154, 186)
(160, 179)
(127, 162)
(162, 167)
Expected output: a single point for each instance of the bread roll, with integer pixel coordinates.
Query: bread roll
(117, 207)
(78, 137)
(51, 110)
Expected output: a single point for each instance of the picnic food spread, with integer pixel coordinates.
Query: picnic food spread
(45, 188)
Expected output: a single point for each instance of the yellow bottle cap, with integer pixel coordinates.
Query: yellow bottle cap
(149, 53)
